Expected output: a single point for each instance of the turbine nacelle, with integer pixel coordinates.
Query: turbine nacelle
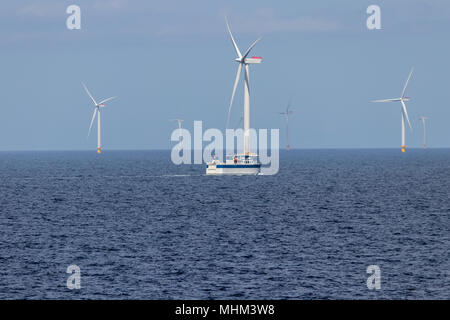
(252, 60)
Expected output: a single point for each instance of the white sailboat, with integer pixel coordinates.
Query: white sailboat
(246, 163)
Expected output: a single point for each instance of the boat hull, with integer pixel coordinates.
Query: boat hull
(233, 169)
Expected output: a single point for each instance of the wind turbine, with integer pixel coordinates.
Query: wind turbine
(243, 62)
(287, 113)
(402, 99)
(179, 131)
(97, 107)
(423, 118)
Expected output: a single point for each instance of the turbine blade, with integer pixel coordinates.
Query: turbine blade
(90, 95)
(406, 113)
(251, 47)
(106, 100)
(238, 74)
(406, 84)
(92, 120)
(232, 40)
(387, 100)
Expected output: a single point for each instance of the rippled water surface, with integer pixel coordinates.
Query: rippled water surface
(140, 227)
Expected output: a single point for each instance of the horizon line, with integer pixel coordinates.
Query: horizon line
(281, 149)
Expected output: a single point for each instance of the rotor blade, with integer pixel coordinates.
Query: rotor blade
(250, 48)
(232, 40)
(106, 100)
(406, 84)
(90, 95)
(92, 121)
(406, 113)
(238, 74)
(387, 100)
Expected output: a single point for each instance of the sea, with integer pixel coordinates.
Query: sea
(140, 227)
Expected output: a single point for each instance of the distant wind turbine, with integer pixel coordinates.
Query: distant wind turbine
(402, 99)
(286, 114)
(179, 131)
(423, 118)
(97, 107)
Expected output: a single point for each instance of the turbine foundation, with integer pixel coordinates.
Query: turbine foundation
(99, 150)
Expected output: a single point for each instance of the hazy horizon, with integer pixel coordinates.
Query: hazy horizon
(282, 149)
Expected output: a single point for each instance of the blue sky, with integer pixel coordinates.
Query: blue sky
(170, 59)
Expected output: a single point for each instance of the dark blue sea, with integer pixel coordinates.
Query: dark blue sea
(140, 227)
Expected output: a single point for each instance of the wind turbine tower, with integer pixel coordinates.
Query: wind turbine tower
(423, 119)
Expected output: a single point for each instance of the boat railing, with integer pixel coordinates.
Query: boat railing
(242, 158)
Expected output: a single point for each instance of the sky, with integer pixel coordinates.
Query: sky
(174, 59)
